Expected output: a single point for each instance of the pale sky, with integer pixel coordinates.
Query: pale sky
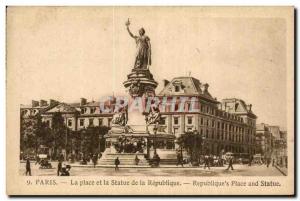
(68, 53)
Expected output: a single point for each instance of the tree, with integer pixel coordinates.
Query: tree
(192, 142)
(30, 130)
(44, 135)
(91, 137)
(59, 132)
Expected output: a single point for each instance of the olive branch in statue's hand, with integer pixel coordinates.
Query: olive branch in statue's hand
(127, 23)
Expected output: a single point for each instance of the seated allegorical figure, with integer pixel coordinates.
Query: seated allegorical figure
(153, 117)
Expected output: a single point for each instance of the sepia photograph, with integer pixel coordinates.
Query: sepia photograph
(172, 100)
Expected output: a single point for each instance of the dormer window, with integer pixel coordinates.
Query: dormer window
(93, 109)
(83, 110)
(178, 86)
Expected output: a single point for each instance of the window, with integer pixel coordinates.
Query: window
(163, 121)
(201, 121)
(91, 122)
(176, 120)
(108, 123)
(212, 134)
(202, 108)
(188, 106)
(213, 123)
(69, 122)
(207, 122)
(190, 120)
(175, 131)
(206, 134)
(83, 110)
(93, 110)
(176, 107)
(81, 122)
(177, 88)
(100, 121)
(48, 123)
(218, 125)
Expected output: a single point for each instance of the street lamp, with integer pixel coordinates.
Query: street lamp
(154, 140)
(100, 138)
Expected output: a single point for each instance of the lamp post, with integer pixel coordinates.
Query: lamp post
(100, 138)
(66, 142)
(83, 132)
(154, 140)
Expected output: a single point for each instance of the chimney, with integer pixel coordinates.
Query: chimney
(166, 82)
(52, 102)
(43, 103)
(82, 101)
(250, 107)
(35, 103)
(206, 87)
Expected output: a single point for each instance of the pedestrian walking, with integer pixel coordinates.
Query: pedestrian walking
(206, 161)
(28, 169)
(230, 162)
(268, 162)
(95, 158)
(59, 168)
(117, 163)
(179, 160)
(250, 160)
(137, 160)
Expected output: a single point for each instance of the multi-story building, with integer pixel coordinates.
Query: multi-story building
(92, 115)
(264, 140)
(228, 125)
(79, 115)
(279, 145)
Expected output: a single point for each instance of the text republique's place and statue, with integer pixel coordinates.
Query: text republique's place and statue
(133, 125)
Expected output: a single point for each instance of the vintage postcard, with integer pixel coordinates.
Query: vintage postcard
(150, 100)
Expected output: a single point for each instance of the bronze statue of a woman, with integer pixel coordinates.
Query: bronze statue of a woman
(143, 54)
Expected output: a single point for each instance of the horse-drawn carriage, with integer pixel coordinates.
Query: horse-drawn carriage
(43, 161)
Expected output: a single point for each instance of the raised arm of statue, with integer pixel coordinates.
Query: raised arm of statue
(131, 34)
(127, 25)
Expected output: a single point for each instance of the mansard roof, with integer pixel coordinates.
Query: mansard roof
(190, 86)
(237, 106)
(63, 108)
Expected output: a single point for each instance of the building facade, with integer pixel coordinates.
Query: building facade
(264, 140)
(227, 126)
(279, 145)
